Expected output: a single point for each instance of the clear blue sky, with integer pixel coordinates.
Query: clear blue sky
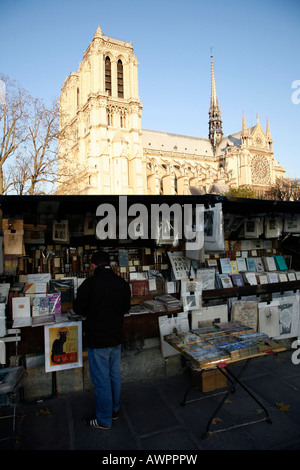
(256, 49)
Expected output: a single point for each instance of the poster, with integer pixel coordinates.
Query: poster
(245, 312)
(63, 346)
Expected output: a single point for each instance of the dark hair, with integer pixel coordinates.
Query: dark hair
(100, 257)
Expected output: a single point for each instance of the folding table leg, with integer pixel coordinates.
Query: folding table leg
(236, 380)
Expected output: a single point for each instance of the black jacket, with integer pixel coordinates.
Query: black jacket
(103, 299)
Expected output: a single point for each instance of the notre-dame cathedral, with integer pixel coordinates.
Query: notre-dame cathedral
(104, 150)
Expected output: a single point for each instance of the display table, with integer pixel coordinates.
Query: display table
(218, 347)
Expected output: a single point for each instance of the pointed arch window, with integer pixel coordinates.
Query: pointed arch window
(108, 75)
(77, 97)
(120, 79)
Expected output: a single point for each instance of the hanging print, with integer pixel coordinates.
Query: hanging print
(63, 346)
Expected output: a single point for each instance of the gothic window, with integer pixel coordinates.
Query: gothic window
(77, 97)
(110, 120)
(260, 170)
(120, 79)
(122, 118)
(108, 75)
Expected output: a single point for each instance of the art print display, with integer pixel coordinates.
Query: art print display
(273, 227)
(209, 316)
(191, 294)
(63, 346)
(60, 231)
(245, 312)
(180, 264)
(292, 223)
(268, 318)
(288, 315)
(214, 229)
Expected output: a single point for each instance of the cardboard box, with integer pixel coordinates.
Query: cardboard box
(212, 380)
(209, 380)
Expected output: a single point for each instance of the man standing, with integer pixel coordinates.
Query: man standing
(103, 299)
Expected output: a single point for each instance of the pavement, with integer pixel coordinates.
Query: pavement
(153, 420)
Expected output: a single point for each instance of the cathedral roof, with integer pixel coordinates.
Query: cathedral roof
(176, 143)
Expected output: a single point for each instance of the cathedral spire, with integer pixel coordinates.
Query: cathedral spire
(268, 132)
(244, 126)
(215, 123)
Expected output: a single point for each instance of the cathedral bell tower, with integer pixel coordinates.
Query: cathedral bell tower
(101, 112)
(215, 132)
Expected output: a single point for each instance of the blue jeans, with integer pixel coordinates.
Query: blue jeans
(104, 365)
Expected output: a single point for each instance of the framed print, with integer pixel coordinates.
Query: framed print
(89, 226)
(288, 311)
(180, 264)
(191, 294)
(273, 227)
(63, 346)
(60, 231)
(214, 229)
(292, 223)
(210, 224)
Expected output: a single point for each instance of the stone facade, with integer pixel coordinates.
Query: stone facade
(104, 150)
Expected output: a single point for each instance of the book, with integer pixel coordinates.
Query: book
(21, 312)
(262, 278)
(226, 282)
(237, 279)
(225, 266)
(65, 287)
(270, 264)
(153, 305)
(251, 279)
(234, 266)
(40, 306)
(251, 264)
(39, 320)
(138, 310)
(139, 288)
(291, 276)
(123, 258)
(241, 264)
(55, 303)
(208, 276)
(170, 302)
(282, 277)
(272, 278)
(219, 280)
(36, 288)
(259, 264)
(281, 264)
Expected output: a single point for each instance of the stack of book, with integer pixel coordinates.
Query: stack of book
(170, 303)
(220, 343)
(153, 305)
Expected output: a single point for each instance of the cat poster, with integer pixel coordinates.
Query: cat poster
(63, 346)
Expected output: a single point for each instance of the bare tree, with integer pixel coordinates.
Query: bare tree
(29, 145)
(39, 162)
(14, 112)
(285, 189)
